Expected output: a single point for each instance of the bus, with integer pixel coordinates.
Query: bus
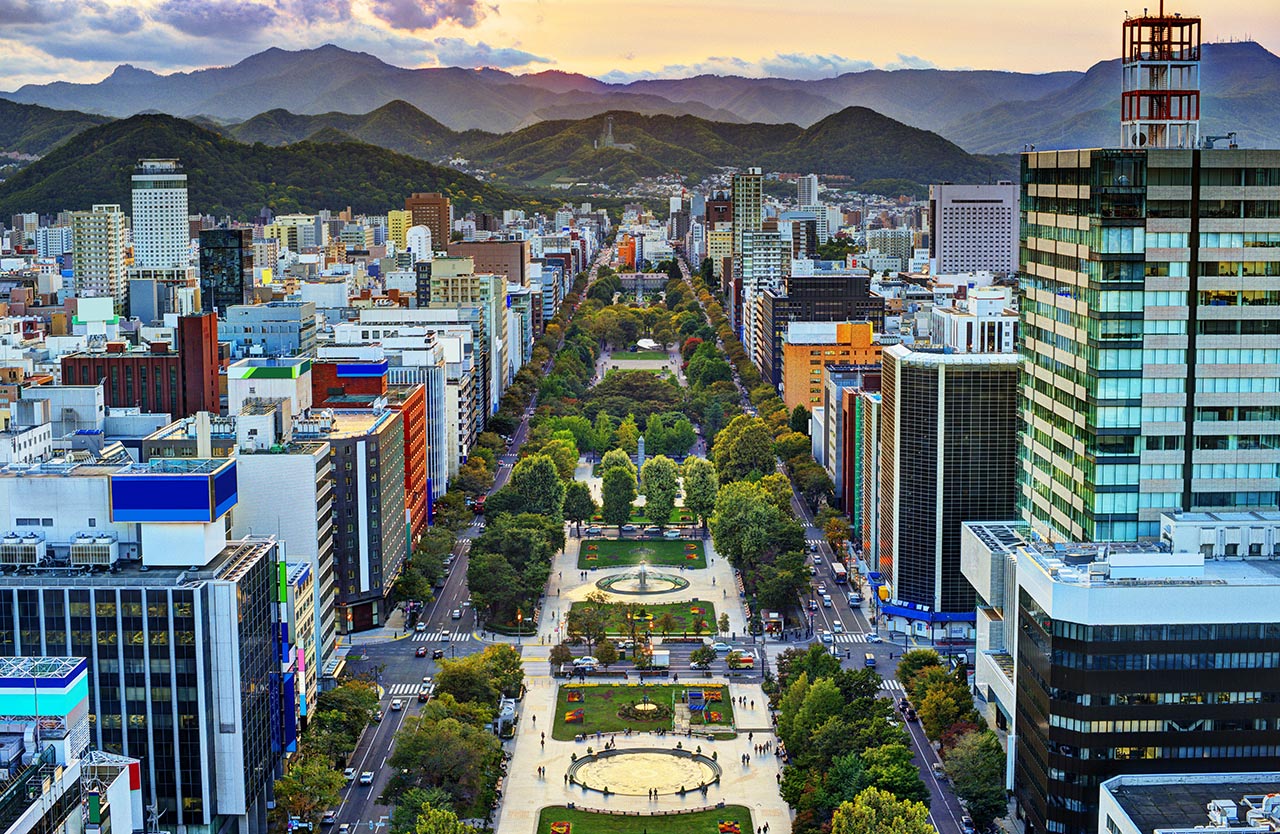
(478, 506)
(841, 573)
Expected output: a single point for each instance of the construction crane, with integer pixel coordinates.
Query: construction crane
(1207, 141)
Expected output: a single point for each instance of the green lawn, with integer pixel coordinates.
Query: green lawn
(680, 612)
(611, 553)
(640, 355)
(679, 515)
(601, 702)
(701, 822)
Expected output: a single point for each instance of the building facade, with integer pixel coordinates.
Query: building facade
(161, 236)
(98, 249)
(226, 269)
(434, 211)
(973, 228)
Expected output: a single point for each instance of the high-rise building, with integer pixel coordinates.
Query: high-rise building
(973, 228)
(719, 210)
(893, 243)
(226, 269)
(948, 454)
(398, 223)
(748, 205)
(434, 211)
(808, 347)
(509, 258)
(807, 190)
(161, 236)
(823, 296)
(98, 244)
(1162, 379)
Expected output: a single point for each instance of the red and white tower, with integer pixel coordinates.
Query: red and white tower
(1160, 102)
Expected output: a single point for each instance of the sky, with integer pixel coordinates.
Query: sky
(617, 40)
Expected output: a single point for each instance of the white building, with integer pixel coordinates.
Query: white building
(161, 236)
(973, 227)
(418, 241)
(98, 243)
(807, 190)
(982, 322)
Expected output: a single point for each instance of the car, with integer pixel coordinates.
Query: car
(910, 715)
(813, 571)
(939, 772)
(721, 647)
(872, 637)
(903, 703)
(837, 627)
(466, 603)
(628, 528)
(653, 531)
(421, 651)
(587, 662)
(813, 548)
(855, 600)
(366, 778)
(377, 716)
(817, 560)
(329, 818)
(420, 627)
(813, 605)
(671, 534)
(822, 587)
(825, 636)
(966, 824)
(397, 705)
(345, 828)
(349, 773)
(423, 694)
(426, 680)
(593, 531)
(437, 654)
(456, 614)
(826, 600)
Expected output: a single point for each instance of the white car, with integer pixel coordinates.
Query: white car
(349, 773)
(837, 627)
(825, 636)
(817, 560)
(585, 661)
(457, 614)
(366, 778)
(397, 705)
(671, 534)
(721, 647)
(872, 637)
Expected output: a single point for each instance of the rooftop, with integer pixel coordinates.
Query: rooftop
(176, 466)
(39, 667)
(228, 564)
(1001, 536)
(1179, 800)
(1130, 564)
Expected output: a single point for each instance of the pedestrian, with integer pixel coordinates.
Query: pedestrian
(566, 778)
(535, 721)
(778, 777)
(766, 828)
(753, 706)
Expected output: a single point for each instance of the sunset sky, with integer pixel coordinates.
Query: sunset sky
(83, 40)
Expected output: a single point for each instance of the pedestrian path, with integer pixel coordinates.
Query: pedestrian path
(892, 685)
(400, 690)
(846, 637)
(439, 636)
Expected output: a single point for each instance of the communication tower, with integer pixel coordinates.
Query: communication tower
(1160, 102)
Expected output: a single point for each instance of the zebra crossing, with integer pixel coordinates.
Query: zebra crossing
(402, 690)
(439, 636)
(892, 685)
(814, 541)
(846, 637)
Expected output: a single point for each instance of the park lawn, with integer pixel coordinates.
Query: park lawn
(699, 822)
(680, 612)
(641, 356)
(612, 553)
(601, 702)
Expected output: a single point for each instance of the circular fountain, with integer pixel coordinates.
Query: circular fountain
(638, 771)
(642, 581)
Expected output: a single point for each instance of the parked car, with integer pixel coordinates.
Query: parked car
(593, 531)
(939, 771)
(904, 704)
(910, 715)
(966, 824)
(329, 818)
(628, 528)
(366, 778)
(671, 534)
(653, 531)
(421, 651)
(377, 716)
(588, 660)
(345, 828)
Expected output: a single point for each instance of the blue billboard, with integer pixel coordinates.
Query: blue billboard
(163, 492)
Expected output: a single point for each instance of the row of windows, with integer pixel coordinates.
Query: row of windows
(1128, 699)
(1233, 327)
(1212, 751)
(1173, 661)
(1237, 298)
(1231, 413)
(1214, 500)
(1169, 725)
(1239, 240)
(1226, 442)
(1233, 356)
(1238, 385)
(1165, 632)
(1240, 269)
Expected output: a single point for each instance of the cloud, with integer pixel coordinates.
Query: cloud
(910, 62)
(19, 12)
(215, 18)
(428, 14)
(456, 52)
(808, 67)
(313, 12)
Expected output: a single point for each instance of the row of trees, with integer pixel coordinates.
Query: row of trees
(842, 745)
(972, 755)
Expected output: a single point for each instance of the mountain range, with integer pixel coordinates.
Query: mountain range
(857, 144)
(982, 111)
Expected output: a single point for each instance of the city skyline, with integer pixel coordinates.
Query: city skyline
(85, 42)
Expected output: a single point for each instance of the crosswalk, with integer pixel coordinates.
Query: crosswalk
(438, 636)
(814, 541)
(846, 637)
(402, 690)
(892, 685)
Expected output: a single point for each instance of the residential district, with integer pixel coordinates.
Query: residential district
(744, 514)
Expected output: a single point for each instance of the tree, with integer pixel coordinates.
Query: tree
(658, 477)
(681, 437)
(590, 620)
(628, 435)
(838, 530)
(793, 444)
(913, 661)
(616, 459)
(618, 492)
(495, 585)
(665, 623)
(607, 654)
(702, 657)
(889, 768)
(467, 679)
(700, 488)
(564, 453)
(474, 477)
(655, 436)
(875, 811)
(502, 662)
(800, 419)
(536, 479)
(440, 821)
(723, 624)
(560, 654)
(743, 449)
(310, 786)
(460, 757)
(602, 436)
(976, 767)
(579, 505)
(937, 712)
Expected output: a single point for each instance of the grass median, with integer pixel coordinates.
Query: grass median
(699, 822)
(612, 553)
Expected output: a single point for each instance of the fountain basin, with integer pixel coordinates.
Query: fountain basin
(635, 772)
